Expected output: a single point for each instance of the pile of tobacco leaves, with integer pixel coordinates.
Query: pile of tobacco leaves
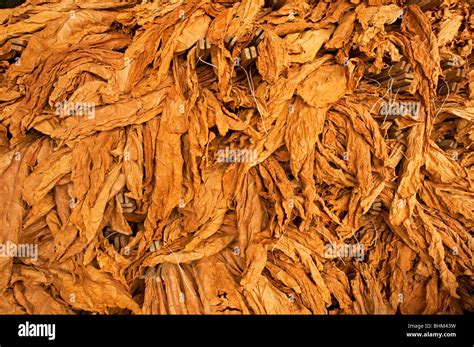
(240, 157)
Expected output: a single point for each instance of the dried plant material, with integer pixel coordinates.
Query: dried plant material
(236, 157)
